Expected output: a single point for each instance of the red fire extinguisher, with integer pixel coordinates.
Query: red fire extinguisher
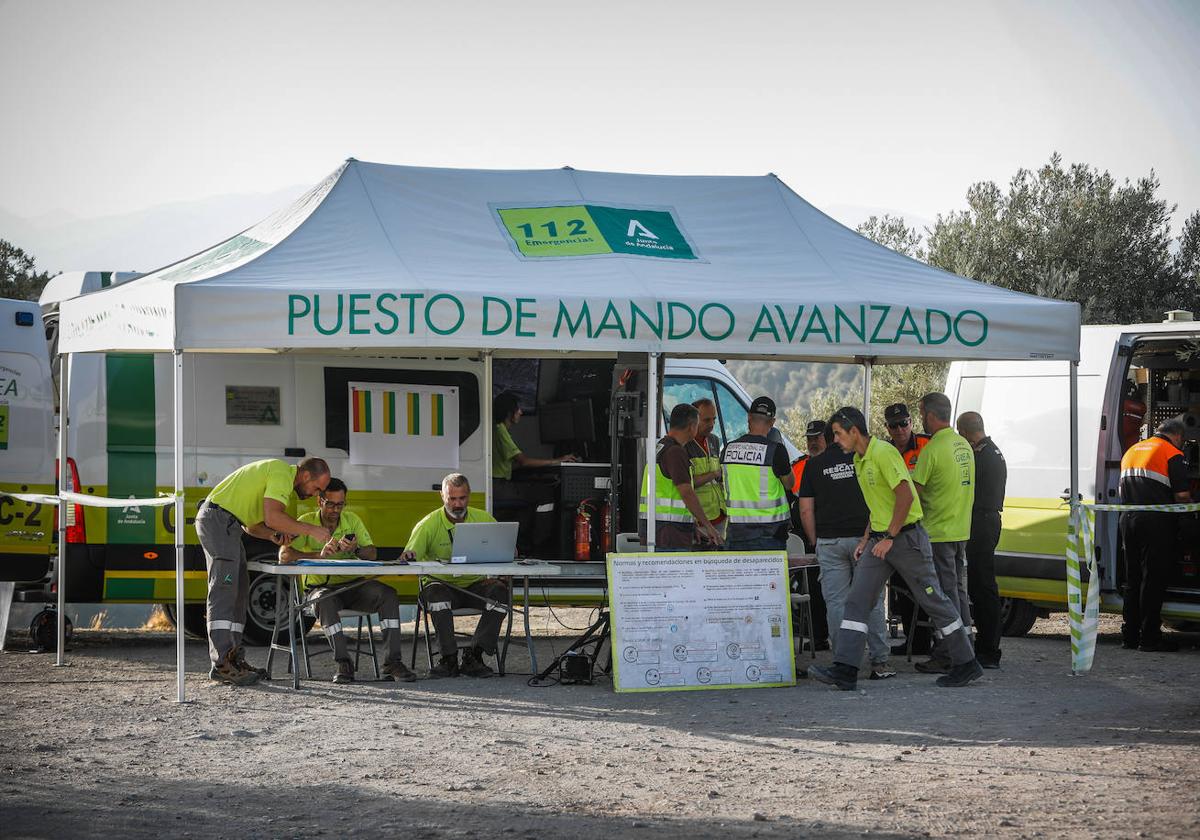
(583, 533)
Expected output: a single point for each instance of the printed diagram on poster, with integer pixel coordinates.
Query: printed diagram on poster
(399, 425)
(697, 621)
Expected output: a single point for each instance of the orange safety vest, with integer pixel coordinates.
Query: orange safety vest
(910, 455)
(1148, 459)
(798, 472)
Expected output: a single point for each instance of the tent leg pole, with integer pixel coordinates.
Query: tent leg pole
(488, 436)
(180, 525)
(60, 577)
(867, 391)
(652, 412)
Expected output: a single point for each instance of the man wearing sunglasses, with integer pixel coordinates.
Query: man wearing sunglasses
(900, 430)
(349, 540)
(894, 541)
(910, 444)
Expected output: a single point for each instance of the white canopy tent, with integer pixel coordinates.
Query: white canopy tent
(386, 258)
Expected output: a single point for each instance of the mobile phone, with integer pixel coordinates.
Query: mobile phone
(350, 538)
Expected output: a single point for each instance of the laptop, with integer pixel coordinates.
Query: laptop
(484, 542)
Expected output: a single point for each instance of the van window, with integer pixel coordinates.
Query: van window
(685, 389)
(337, 404)
(732, 411)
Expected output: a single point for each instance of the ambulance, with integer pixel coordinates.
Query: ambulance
(290, 406)
(1131, 378)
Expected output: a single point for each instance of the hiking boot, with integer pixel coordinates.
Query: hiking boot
(881, 671)
(345, 672)
(841, 677)
(239, 659)
(1163, 645)
(447, 666)
(229, 672)
(933, 666)
(960, 675)
(473, 664)
(397, 670)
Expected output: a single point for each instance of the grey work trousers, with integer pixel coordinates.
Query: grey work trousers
(912, 556)
(228, 580)
(369, 597)
(835, 555)
(950, 561)
(491, 596)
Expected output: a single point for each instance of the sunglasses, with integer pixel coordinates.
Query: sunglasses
(899, 424)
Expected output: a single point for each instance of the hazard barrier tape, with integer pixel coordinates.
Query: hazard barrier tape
(1084, 615)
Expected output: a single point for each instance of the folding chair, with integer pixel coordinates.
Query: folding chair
(915, 623)
(421, 629)
(802, 611)
(344, 614)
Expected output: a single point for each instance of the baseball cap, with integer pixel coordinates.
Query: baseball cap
(814, 428)
(894, 412)
(764, 406)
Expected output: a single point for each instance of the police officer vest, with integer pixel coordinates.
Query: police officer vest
(755, 494)
(712, 494)
(668, 504)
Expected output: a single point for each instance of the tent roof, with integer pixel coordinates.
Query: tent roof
(398, 258)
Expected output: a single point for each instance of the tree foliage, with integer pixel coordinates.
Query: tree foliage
(19, 279)
(1070, 232)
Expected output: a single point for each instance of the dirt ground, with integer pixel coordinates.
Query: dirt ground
(101, 748)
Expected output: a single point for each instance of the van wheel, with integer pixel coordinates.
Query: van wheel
(1016, 616)
(195, 620)
(260, 615)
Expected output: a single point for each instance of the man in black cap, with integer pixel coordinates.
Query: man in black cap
(758, 483)
(910, 444)
(899, 426)
(814, 435)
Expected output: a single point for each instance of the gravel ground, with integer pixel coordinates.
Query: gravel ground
(100, 749)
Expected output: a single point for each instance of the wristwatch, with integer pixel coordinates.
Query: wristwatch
(888, 535)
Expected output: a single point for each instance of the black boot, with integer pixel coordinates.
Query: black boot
(960, 675)
(473, 664)
(447, 666)
(842, 677)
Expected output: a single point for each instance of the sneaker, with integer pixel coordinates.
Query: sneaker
(473, 664)
(960, 675)
(881, 671)
(841, 677)
(1163, 645)
(447, 666)
(230, 673)
(933, 666)
(345, 672)
(397, 670)
(239, 659)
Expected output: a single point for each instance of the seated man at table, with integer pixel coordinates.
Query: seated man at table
(432, 539)
(350, 540)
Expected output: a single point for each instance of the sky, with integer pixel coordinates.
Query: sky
(111, 108)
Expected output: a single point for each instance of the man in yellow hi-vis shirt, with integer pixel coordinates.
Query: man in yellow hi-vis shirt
(894, 542)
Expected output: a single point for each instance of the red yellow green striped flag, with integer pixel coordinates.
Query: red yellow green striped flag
(361, 400)
(389, 412)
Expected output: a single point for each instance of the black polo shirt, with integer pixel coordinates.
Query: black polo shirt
(838, 505)
(991, 474)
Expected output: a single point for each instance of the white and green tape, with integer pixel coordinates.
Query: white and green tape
(1085, 617)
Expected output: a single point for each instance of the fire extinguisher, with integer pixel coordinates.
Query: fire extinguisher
(583, 533)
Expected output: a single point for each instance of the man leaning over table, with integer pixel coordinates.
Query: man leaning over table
(350, 540)
(432, 539)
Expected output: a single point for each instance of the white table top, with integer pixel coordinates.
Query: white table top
(529, 568)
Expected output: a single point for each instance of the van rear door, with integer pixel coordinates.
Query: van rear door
(26, 443)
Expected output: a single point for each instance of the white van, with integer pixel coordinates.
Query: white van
(27, 440)
(1025, 407)
(246, 407)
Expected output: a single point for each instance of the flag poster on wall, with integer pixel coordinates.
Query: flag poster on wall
(403, 425)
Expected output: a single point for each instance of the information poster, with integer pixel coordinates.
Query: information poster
(697, 621)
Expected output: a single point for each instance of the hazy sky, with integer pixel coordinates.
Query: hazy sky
(111, 107)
